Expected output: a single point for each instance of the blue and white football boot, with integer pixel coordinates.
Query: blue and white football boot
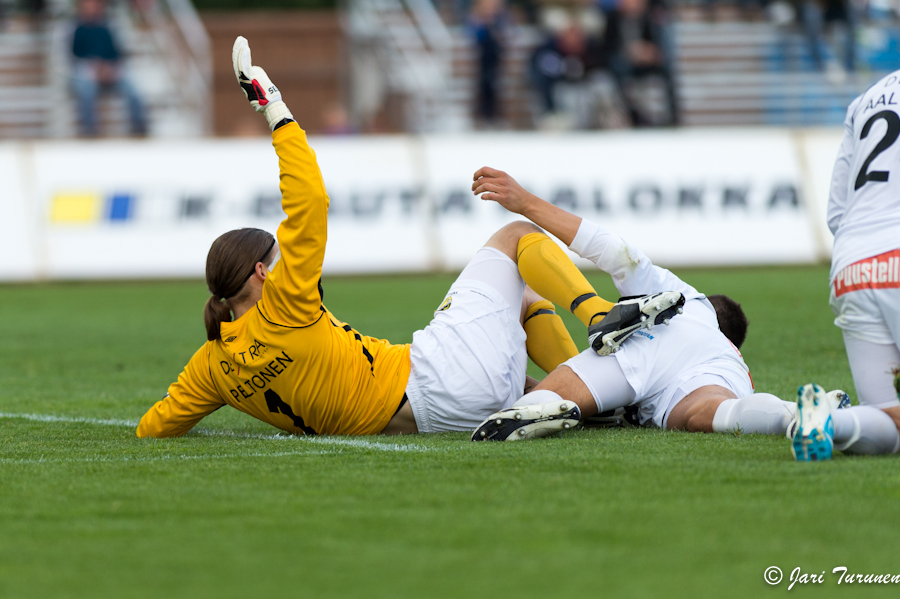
(839, 399)
(813, 435)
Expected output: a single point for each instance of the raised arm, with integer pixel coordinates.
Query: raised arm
(291, 293)
(631, 270)
(491, 184)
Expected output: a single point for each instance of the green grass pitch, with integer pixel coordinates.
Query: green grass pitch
(232, 510)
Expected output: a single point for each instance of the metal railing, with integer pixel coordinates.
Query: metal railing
(402, 47)
(181, 42)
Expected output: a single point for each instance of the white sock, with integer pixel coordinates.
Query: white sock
(865, 430)
(536, 397)
(760, 413)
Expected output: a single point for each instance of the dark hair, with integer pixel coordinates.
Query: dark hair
(230, 263)
(732, 320)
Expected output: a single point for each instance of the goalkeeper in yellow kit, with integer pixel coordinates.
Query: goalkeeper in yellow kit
(275, 352)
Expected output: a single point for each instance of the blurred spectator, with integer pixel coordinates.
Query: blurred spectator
(36, 11)
(33, 10)
(841, 15)
(781, 13)
(744, 9)
(637, 45)
(336, 121)
(562, 67)
(486, 23)
(98, 66)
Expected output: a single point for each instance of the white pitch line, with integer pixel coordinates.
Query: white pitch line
(209, 432)
(214, 456)
(52, 418)
(360, 443)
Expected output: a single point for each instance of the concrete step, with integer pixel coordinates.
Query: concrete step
(709, 119)
(762, 104)
(786, 88)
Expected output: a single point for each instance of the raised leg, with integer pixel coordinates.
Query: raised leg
(549, 343)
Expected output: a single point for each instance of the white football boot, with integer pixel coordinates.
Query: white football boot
(529, 421)
(630, 315)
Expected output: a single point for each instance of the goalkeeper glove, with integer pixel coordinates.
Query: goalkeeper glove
(259, 89)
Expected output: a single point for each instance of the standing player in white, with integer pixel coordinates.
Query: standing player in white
(864, 216)
(687, 376)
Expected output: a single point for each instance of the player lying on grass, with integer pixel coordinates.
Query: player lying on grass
(864, 215)
(687, 376)
(276, 353)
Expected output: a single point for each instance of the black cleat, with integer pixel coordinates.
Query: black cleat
(626, 417)
(630, 315)
(529, 422)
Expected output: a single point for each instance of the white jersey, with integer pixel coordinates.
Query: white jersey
(864, 201)
(665, 363)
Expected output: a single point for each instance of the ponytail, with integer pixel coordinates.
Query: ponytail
(215, 313)
(230, 263)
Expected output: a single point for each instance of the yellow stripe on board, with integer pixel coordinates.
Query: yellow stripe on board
(75, 208)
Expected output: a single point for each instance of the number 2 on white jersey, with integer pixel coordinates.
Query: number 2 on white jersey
(890, 136)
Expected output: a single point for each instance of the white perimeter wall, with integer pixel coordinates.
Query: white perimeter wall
(692, 197)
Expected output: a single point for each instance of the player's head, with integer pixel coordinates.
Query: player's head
(231, 262)
(91, 10)
(732, 320)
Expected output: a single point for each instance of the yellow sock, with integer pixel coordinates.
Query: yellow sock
(549, 343)
(547, 270)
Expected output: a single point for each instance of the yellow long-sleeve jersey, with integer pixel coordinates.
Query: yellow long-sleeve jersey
(288, 361)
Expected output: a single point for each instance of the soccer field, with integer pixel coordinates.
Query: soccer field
(236, 510)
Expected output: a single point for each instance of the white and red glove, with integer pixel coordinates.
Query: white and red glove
(259, 89)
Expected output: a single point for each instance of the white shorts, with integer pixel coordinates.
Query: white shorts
(604, 378)
(470, 361)
(611, 389)
(872, 315)
(870, 321)
(662, 409)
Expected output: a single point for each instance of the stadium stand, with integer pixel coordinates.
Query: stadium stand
(730, 71)
(404, 65)
(23, 74)
(168, 60)
(758, 73)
